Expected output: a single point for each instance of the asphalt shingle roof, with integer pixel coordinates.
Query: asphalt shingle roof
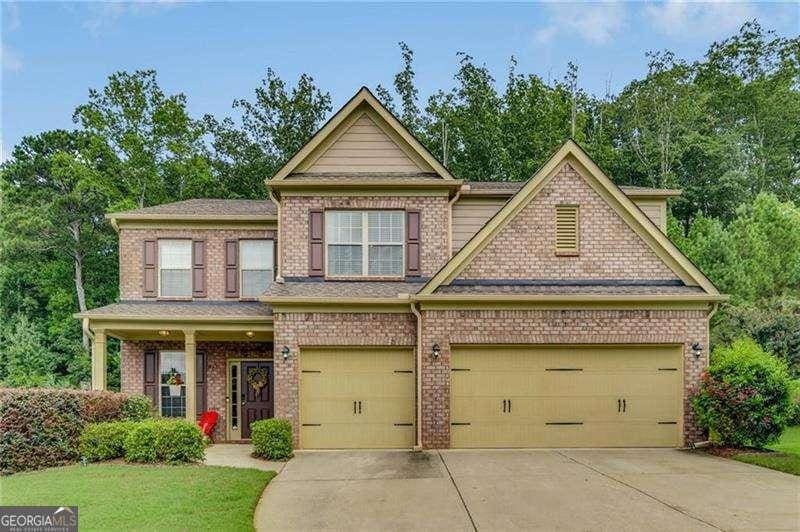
(206, 207)
(343, 289)
(182, 309)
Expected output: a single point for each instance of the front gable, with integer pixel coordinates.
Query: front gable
(616, 239)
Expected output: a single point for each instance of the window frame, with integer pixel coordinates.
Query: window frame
(159, 242)
(366, 243)
(240, 269)
(184, 389)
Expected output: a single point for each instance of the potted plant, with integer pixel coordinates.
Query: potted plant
(175, 381)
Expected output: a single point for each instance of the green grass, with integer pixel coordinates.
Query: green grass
(134, 497)
(787, 457)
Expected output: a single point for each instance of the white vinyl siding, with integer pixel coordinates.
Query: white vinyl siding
(365, 241)
(256, 267)
(175, 268)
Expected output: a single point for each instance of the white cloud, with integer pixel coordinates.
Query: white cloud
(10, 59)
(103, 15)
(710, 18)
(596, 22)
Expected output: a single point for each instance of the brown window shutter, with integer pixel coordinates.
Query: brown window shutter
(412, 243)
(150, 262)
(151, 375)
(316, 244)
(231, 268)
(200, 369)
(199, 268)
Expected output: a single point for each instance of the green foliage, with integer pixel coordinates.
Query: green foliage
(164, 440)
(104, 441)
(744, 396)
(272, 438)
(137, 408)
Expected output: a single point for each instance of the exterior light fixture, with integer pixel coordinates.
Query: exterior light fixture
(250, 334)
(163, 332)
(436, 351)
(285, 352)
(697, 349)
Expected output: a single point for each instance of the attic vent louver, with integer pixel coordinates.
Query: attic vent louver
(567, 229)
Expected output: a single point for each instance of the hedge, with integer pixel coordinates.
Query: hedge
(40, 427)
(272, 438)
(104, 441)
(164, 440)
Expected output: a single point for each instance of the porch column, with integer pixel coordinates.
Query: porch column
(191, 375)
(99, 360)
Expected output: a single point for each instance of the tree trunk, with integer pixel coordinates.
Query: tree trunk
(75, 230)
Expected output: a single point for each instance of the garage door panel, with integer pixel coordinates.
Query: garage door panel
(356, 436)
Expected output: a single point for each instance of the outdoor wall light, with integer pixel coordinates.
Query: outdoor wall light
(163, 332)
(249, 334)
(436, 351)
(697, 349)
(285, 352)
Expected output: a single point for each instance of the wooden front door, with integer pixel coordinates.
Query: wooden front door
(257, 382)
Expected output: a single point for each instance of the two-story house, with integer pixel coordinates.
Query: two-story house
(377, 301)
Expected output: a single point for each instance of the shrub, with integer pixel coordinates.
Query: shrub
(136, 408)
(99, 406)
(104, 441)
(794, 394)
(744, 396)
(272, 438)
(163, 440)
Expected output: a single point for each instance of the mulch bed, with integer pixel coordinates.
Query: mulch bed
(728, 452)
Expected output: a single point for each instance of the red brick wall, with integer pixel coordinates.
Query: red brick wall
(294, 227)
(525, 248)
(551, 327)
(217, 355)
(131, 247)
(328, 329)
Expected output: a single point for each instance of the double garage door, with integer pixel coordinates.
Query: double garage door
(526, 396)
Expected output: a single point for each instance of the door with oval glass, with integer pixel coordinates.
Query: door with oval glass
(257, 393)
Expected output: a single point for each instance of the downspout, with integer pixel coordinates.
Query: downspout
(86, 329)
(279, 240)
(415, 312)
(450, 204)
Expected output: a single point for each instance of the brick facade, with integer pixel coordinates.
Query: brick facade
(525, 248)
(131, 247)
(217, 355)
(294, 230)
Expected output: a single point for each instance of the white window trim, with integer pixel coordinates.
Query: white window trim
(241, 270)
(158, 269)
(160, 353)
(365, 243)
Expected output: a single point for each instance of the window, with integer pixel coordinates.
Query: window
(365, 241)
(175, 268)
(256, 266)
(567, 229)
(173, 384)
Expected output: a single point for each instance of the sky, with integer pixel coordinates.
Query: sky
(53, 53)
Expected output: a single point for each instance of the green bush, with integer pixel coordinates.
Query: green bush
(164, 440)
(272, 438)
(136, 408)
(794, 394)
(104, 441)
(744, 396)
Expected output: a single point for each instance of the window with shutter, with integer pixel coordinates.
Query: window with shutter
(567, 236)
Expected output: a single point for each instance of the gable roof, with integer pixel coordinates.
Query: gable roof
(570, 152)
(364, 102)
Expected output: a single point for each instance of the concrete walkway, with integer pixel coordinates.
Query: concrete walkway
(238, 455)
(527, 489)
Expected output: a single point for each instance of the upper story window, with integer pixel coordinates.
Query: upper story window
(175, 268)
(256, 266)
(365, 243)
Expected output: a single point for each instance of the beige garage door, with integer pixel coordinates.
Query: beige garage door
(359, 398)
(580, 396)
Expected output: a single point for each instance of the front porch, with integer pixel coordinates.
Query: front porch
(189, 357)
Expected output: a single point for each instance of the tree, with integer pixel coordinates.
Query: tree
(404, 86)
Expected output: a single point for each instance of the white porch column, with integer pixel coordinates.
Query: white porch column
(99, 360)
(191, 375)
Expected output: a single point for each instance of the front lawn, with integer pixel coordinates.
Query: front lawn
(127, 497)
(787, 455)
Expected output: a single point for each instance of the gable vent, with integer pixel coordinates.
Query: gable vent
(567, 229)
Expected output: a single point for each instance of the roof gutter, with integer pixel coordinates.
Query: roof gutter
(279, 241)
(418, 441)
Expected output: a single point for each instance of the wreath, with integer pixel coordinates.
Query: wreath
(257, 378)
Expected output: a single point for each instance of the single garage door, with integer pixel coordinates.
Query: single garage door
(356, 398)
(575, 396)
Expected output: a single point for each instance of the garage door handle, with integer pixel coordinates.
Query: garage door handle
(504, 405)
(509, 405)
(359, 407)
(354, 407)
(619, 405)
(623, 405)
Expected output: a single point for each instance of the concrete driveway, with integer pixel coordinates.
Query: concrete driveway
(532, 490)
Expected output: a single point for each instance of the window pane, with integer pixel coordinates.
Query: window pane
(255, 282)
(175, 254)
(176, 283)
(256, 254)
(386, 260)
(173, 384)
(386, 227)
(344, 260)
(343, 227)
